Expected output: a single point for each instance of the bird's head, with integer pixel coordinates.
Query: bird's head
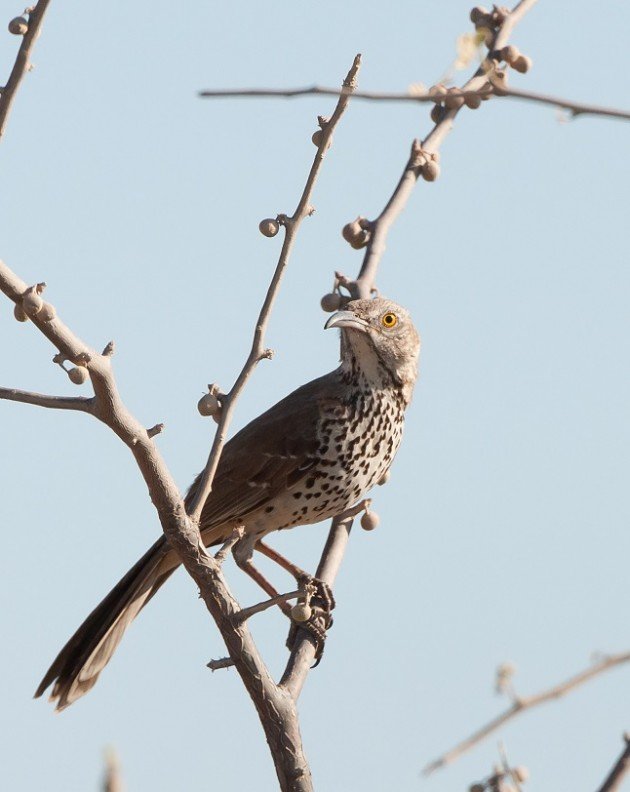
(378, 338)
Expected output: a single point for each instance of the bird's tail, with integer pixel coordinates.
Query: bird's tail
(78, 665)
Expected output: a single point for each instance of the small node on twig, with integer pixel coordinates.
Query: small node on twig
(109, 349)
(20, 313)
(331, 302)
(369, 520)
(224, 662)
(209, 404)
(47, 313)
(477, 14)
(430, 170)
(269, 227)
(77, 375)
(520, 774)
(522, 64)
(454, 100)
(499, 82)
(18, 26)
(437, 113)
(473, 101)
(301, 612)
(503, 680)
(31, 301)
(509, 54)
(357, 233)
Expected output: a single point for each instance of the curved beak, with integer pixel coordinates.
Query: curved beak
(347, 319)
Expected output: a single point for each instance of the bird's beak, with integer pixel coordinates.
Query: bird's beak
(347, 319)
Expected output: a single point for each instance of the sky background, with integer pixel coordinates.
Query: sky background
(504, 529)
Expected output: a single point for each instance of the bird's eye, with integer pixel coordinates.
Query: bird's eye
(389, 320)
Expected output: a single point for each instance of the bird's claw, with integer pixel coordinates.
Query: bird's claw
(321, 593)
(322, 601)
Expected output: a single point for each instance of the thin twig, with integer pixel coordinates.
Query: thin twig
(379, 228)
(619, 771)
(112, 780)
(521, 704)
(245, 613)
(79, 403)
(420, 97)
(22, 62)
(216, 665)
(258, 352)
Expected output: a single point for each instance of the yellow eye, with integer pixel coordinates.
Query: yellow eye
(389, 320)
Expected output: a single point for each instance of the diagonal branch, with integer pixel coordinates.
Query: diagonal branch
(42, 400)
(520, 704)
(22, 61)
(258, 351)
(619, 771)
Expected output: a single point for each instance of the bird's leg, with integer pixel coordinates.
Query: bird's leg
(323, 592)
(321, 599)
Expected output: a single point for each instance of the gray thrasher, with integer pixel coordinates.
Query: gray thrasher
(308, 458)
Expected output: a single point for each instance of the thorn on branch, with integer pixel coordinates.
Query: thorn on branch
(266, 354)
(155, 430)
(224, 662)
(109, 349)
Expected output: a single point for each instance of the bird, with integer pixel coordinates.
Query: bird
(308, 458)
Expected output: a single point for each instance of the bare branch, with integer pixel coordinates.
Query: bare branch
(245, 613)
(112, 781)
(520, 704)
(421, 153)
(258, 351)
(216, 665)
(22, 61)
(42, 400)
(619, 771)
(422, 97)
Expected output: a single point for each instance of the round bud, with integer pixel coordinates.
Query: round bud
(317, 138)
(452, 100)
(369, 521)
(32, 302)
(522, 64)
(520, 773)
(437, 113)
(47, 313)
(473, 101)
(477, 13)
(18, 26)
(208, 405)
(269, 227)
(78, 375)
(355, 234)
(301, 612)
(384, 478)
(509, 54)
(439, 91)
(331, 302)
(20, 314)
(430, 171)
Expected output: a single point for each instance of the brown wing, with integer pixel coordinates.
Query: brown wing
(271, 453)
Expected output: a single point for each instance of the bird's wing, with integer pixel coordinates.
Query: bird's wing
(273, 452)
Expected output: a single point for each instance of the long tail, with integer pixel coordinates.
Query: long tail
(78, 665)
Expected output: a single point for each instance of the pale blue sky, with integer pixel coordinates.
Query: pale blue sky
(504, 529)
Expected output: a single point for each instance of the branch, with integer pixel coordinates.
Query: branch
(421, 154)
(622, 765)
(258, 351)
(520, 704)
(22, 61)
(42, 400)
(275, 707)
(420, 97)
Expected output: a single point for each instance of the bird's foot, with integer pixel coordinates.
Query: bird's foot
(313, 615)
